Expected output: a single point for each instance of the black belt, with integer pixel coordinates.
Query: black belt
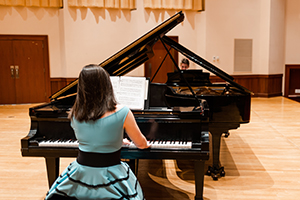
(92, 159)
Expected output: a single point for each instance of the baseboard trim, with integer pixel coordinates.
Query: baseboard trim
(261, 85)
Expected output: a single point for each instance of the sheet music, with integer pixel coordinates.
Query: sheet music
(130, 91)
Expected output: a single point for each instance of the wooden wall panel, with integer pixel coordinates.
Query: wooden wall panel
(59, 83)
(260, 85)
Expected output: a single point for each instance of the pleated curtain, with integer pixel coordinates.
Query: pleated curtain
(118, 4)
(174, 4)
(32, 3)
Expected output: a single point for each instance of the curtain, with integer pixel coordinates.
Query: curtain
(197, 5)
(34, 3)
(118, 4)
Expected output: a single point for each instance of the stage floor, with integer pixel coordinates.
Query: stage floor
(261, 159)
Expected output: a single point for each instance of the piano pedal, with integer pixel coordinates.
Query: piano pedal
(215, 177)
(226, 134)
(208, 172)
(222, 172)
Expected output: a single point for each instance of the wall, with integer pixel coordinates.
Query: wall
(292, 36)
(90, 35)
(261, 21)
(223, 26)
(277, 37)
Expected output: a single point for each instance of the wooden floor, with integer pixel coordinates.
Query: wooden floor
(261, 160)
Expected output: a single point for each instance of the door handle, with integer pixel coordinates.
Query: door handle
(12, 74)
(17, 71)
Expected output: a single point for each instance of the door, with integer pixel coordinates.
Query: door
(153, 64)
(24, 73)
(7, 77)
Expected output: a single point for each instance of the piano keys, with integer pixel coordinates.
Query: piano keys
(155, 144)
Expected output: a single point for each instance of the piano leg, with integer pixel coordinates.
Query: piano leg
(216, 131)
(199, 179)
(215, 170)
(52, 164)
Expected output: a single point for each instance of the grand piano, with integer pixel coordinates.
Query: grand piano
(187, 126)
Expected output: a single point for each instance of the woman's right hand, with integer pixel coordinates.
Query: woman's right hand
(134, 132)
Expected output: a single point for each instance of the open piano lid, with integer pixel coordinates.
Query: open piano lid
(131, 56)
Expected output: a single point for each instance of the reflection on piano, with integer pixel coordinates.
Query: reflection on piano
(186, 126)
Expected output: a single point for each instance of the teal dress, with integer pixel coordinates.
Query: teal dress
(80, 181)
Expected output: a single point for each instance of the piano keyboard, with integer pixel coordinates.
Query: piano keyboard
(154, 144)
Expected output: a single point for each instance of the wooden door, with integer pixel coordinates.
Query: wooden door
(7, 78)
(24, 70)
(29, 69)
(153, 64)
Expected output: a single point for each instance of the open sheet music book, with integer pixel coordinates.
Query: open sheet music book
(130, 91)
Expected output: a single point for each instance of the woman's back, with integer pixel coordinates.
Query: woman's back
(98, 122)
(104, 135)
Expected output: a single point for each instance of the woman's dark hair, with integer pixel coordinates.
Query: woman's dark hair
(185, 61)
(95, 94)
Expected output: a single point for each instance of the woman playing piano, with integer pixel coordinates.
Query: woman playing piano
(98, 122)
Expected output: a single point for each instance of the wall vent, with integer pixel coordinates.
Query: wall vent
(242, 55)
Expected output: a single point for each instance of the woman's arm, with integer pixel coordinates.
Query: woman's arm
(134, 132)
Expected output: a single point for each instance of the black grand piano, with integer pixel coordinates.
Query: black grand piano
(185, 126)
(186, 108)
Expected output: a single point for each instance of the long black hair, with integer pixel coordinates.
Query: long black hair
(95, 94)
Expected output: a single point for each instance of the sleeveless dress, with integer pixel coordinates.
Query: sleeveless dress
(78, 181)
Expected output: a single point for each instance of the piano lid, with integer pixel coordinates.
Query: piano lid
(131, 56)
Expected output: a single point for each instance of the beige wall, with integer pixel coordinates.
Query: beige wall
(93, 35)
(277, 37)
(261, 21)
(292, 36)
(90, 35)
(229, 20)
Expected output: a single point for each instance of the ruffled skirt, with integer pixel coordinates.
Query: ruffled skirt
(84, 182)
